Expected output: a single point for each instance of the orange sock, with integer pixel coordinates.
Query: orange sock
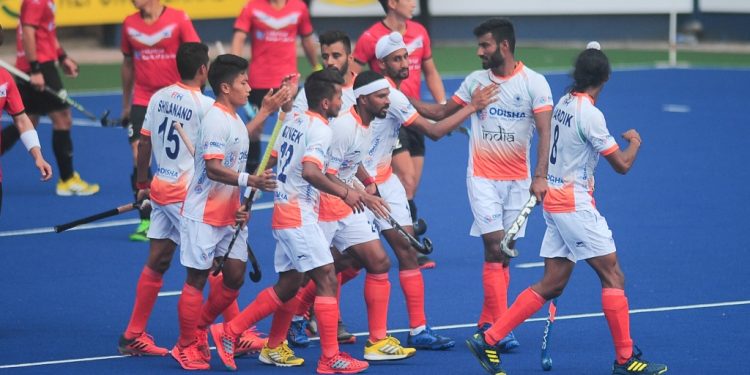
(327, 314)
(615, 306)
(377, 294)
(282, 319)
(189, 313)
(527, 303)
(234, 308)
(146, 291)
(413, 286)
(306, 297)
(266, 302)
(219, 298)
(493, 281)
(232, 311)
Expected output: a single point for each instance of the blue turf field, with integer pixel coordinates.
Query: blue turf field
(678, 220)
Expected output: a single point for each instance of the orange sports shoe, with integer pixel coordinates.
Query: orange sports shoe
(189, 357)
(251, 341)
(225, 344)
(202, 336)
(141, 345)
(341, 363)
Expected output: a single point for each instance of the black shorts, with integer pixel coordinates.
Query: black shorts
(137, 116)
(410, 140)
(41, 102)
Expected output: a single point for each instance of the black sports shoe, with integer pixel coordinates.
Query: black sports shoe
(636, 365)
(487, 354)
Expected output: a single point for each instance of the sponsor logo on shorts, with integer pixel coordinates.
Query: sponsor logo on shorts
(580, 244)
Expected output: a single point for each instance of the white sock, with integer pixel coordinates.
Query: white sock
(416, 331)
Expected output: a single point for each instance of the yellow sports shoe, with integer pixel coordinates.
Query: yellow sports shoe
(76, 186)
(283, 356)
(387, 349)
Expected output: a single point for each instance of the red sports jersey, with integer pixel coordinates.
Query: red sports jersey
(154, 49)
(417, 44)
(273, 35)
(41, 15)
(10, 99)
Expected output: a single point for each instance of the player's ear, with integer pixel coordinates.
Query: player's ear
(381, 65)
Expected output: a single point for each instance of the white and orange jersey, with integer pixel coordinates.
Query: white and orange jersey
(349, 144)
(579, 135)
(174, 164)
(347, 99)
(501, 133)
(304, 137)
(385, 134)
(222, 136)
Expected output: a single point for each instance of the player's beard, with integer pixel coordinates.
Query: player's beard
(494, 61)
(382, 112)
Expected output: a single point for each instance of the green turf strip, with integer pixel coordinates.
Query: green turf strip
(461, 60)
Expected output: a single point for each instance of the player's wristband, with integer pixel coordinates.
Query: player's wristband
(61, 58)
(36, 67)
(368, 181)
(142, 185)
(30, 139)
(242, 179)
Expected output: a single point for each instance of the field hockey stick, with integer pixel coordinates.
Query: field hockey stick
(425, 247)
(516, 226)
(248, 203)
(63, 96)
(88, 219)
(184, 136)
(546, 358)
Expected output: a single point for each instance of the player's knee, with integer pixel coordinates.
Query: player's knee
(234, 280)
(550, 289)
(379, 265)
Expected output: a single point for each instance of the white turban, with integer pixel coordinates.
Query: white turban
(389, 44)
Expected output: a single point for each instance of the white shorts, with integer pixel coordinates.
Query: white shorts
(576, 235)
(496, 204)
(301, 249)
(352, 230)
(392, 191)
(165, 222)
(202, 242)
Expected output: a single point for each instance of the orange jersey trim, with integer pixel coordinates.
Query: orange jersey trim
(560, 200)
(458, 100)
(145, 132)
(213, 156)
(411, 119)
(610, 150)
(286, 215)
(314, 161)
(332, 208)
(543, 109)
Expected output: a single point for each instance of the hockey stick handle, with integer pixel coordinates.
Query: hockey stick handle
(113, 212)
(62, 95)
(248, 203)
(188, 144)
(511, 233)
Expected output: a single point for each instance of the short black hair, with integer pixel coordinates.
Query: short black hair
(591, 70)
(321, 85)
(333, 36)
(500, 28)
(225, 69)
(190, 57)
(365, 78)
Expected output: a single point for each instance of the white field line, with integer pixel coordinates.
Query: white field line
(437, 328)
(106, 224)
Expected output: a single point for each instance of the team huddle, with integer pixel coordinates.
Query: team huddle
(340, 183)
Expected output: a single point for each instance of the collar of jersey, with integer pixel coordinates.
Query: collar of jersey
(516, 70)
(225, 109)
(313, 114)
(584, 95)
